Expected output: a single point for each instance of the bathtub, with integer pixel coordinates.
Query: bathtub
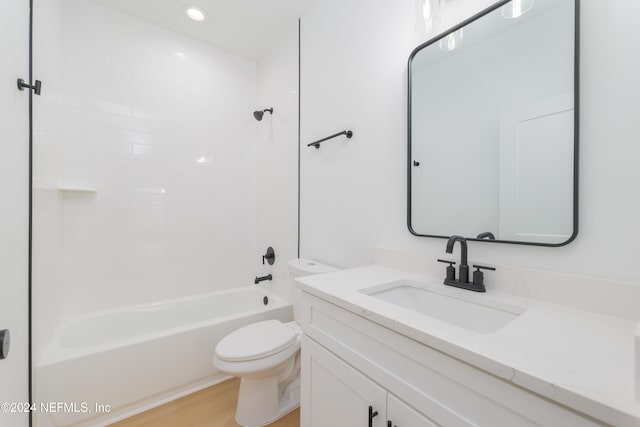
(110, 365)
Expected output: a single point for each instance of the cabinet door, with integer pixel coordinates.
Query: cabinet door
(401, 415)
(334, 394)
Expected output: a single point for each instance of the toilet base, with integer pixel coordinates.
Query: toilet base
(261, 403)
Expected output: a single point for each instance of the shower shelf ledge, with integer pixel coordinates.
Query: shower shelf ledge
(77, 190)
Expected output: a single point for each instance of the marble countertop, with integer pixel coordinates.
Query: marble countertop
(580, 359)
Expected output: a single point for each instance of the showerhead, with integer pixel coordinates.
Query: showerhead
(258, 114)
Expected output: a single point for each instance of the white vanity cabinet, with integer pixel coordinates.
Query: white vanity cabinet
(350, 363)
(402, 415)
(338, 395)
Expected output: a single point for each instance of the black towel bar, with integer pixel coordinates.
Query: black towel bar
(346, 133)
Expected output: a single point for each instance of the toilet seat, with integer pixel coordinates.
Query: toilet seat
(256, 341)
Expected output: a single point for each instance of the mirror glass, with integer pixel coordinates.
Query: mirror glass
(493, 127)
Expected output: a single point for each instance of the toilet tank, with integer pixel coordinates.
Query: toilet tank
(304, 267)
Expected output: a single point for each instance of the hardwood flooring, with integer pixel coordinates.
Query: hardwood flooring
(212, 407)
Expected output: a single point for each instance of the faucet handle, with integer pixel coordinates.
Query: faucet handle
(478, 276)
(270, 256)
(451, 270)
(483, 267)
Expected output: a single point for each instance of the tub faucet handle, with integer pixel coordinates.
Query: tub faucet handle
(270, 256)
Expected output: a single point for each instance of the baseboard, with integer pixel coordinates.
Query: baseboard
(152, 402)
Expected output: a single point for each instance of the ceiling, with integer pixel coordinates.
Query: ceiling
(248, 28)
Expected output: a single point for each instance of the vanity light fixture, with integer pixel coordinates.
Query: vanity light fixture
(452, 40)
(196, 13)
(430, 10)
(516, 8)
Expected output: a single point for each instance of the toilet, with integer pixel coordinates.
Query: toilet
(266, 357)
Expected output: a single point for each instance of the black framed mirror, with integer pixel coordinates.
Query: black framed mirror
(493, 137)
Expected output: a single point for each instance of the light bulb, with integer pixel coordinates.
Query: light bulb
(430, 13)
(516, 8)
(452, 40)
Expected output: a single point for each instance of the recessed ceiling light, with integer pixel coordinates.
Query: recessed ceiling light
(196, 13)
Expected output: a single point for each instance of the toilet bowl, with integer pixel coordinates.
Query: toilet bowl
(266, 357)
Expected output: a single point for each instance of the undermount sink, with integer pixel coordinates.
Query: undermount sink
(469, 312)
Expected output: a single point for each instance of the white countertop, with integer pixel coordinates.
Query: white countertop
(581, 359)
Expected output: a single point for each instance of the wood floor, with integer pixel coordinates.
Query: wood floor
(212, 407)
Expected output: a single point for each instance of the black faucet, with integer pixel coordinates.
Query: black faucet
(263, 278)
(463, 277)
(486, 235)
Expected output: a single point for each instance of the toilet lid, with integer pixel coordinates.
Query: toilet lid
(256, 341)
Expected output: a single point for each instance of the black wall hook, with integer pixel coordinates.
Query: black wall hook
(346, 133)
(37, 87)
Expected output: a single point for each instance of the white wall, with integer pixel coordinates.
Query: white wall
(277, 165)
(354, 66)
(161, 127)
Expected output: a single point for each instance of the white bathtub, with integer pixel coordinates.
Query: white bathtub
(135, 358)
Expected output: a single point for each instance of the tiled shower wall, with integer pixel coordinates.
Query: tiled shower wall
(277, 153)
(48, 299)
(159, 129)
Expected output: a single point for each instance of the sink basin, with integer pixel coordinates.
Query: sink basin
(469, 312)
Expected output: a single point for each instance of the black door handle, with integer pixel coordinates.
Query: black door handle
(372, 415)
(5, 343)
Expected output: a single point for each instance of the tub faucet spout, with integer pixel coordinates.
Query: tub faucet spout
(263, 278)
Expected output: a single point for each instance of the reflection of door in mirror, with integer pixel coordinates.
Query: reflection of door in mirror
(536, 170)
